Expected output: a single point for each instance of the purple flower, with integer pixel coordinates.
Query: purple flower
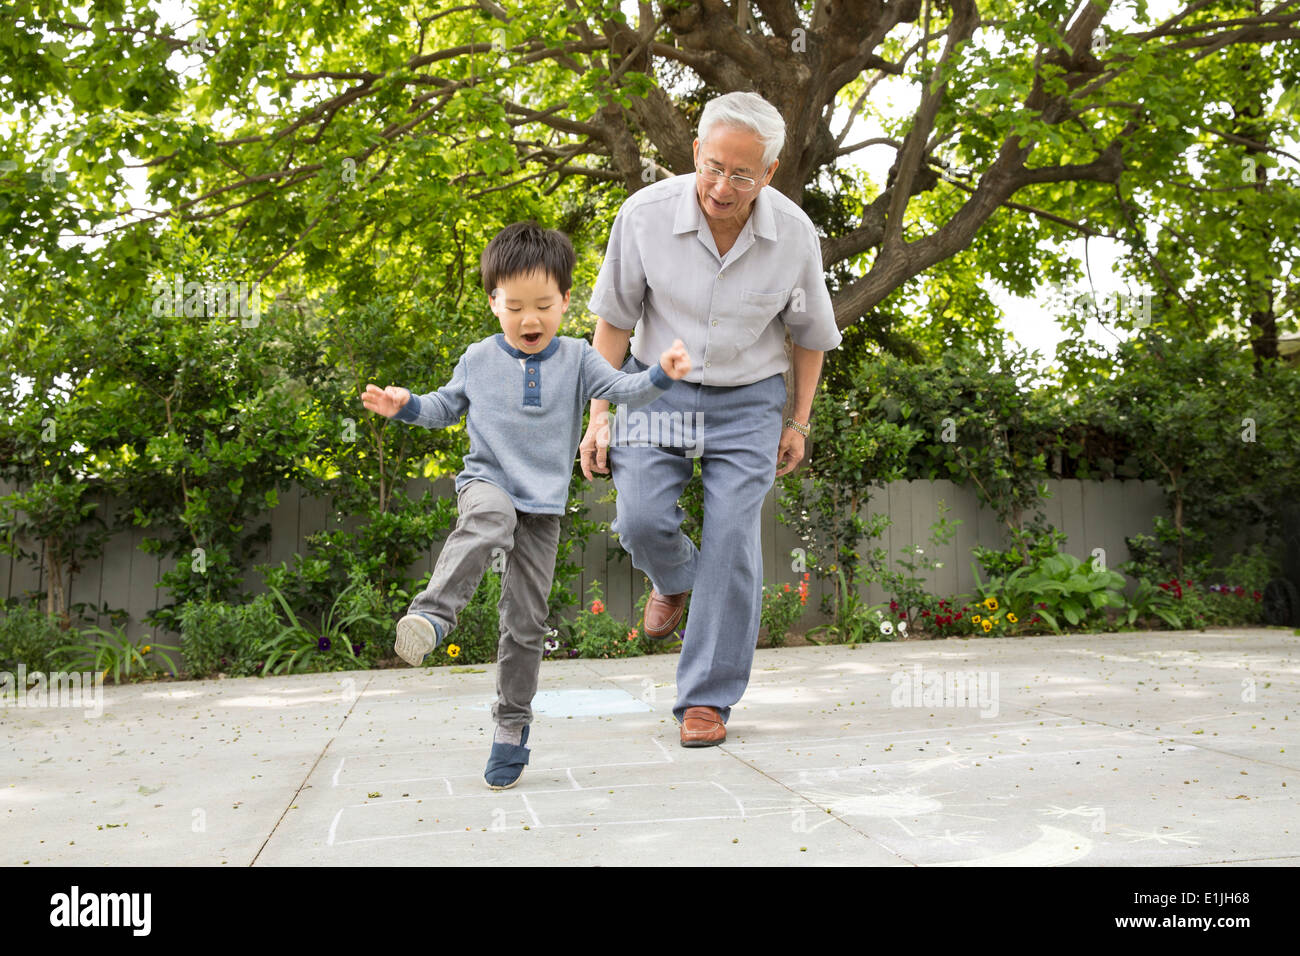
(356, 648)
(323, 644)
(1214, 587)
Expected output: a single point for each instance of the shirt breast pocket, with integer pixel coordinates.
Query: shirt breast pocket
(754, 313)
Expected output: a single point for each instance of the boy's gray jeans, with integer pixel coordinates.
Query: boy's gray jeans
(527, 544)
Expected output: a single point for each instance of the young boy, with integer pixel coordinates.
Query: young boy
(523, 392)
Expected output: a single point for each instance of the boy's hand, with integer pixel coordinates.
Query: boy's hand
(386, 401)
(675, 362)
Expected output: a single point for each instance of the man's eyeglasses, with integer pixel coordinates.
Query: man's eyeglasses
(711, 174)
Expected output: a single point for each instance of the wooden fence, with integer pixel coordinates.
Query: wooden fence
(1093, 514)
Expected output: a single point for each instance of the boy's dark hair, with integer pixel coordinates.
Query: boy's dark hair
(523, 247)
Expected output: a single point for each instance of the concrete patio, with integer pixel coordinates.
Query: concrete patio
(1164, 748)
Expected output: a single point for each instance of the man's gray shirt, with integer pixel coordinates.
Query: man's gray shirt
(662, 267)
(524, 412)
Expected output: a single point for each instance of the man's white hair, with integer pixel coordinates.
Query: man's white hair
(750, 112)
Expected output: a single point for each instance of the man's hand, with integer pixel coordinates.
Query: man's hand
(675, 361)
(387, 401)
(789, 453)
(594, 445)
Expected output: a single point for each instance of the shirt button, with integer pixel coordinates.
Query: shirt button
(532, 383)
(707, 364)
(715, 321)
(531, 370)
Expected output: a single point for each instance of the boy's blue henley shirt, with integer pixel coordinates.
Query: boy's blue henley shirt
(524, 437)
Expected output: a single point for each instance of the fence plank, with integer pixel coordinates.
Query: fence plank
(937, 580)
(115, 569)
(141, 594)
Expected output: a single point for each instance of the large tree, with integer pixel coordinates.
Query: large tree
(313, 131)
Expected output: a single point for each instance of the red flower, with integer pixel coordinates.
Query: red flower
(1257, 595)
(597, 606)
(902, 615)
(893, 605)
(925, 614)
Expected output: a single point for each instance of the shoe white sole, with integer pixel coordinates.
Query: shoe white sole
(415, 639)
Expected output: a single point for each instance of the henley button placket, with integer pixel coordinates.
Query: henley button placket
(532, 378)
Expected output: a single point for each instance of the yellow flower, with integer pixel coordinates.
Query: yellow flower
(991, 604)
(1012, 618)
(986, 624)
(975, 618)
(145, 649)
(453, 650)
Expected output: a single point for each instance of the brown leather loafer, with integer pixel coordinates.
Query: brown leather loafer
(662, 613)
(702, 727)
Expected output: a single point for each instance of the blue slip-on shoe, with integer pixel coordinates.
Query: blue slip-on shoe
(417, 635)
(506, 763)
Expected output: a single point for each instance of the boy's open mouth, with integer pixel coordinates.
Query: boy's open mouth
(532, 338)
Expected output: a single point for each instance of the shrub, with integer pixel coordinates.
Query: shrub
(28, 636)
(217, 637)
(782, 607)
(1060, 586)
(597, 633)
(333, 645)
(112, 651)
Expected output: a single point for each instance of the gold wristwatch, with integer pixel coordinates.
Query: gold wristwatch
(801, 427)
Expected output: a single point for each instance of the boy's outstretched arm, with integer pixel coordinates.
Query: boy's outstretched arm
(438, 409)
(599, 380)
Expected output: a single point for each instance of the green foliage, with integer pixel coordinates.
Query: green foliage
(217, 637)
(332, 645)
(1251, 570)
(1059, 586)
(200, 421)
(53, 513)
(1147, 558)
(477, 633)
(380, 549)
(1149, 601)
(112, 651)
(782, 607)
(854, 620)
(29, 636)
(1217, 434)
(851, 452)
(908, 586)
(1042, 541)
(596, 633)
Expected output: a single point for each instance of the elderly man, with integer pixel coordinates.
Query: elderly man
(726, 265)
